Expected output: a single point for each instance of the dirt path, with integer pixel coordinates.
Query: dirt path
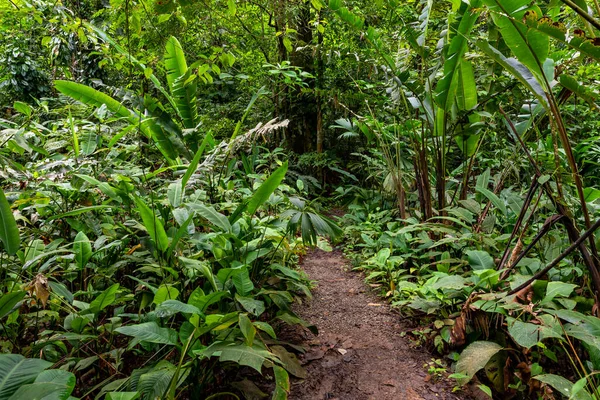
(359, 353)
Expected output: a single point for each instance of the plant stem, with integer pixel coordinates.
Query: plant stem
(569, 250)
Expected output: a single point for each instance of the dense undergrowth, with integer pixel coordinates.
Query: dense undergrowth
(144, 281)
(150, 236)
(446, 277)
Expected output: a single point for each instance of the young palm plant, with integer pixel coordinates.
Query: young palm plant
(175, 135)
(304, 218)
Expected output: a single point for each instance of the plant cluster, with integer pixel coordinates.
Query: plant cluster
(473, 211)
(128, 280)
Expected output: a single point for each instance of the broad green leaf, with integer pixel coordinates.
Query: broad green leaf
(558, 289)
(89, 143)
(248, 330)
(242, 354)
(483, 180)
(206, 142)
(517, 69)
(9, 232)
(164, 293)
(175, 194)
(480, 260)
(261, 194)
(455, 282)
(529, 46)
(154, 384)
(16, 370)
(153, 225)
(282, 383)
(104, 300)
(150, 332)
(212, 216)
(23, 108)
(499, 204)
(183, 92)
(265, 327)
(251, 305)
(474, 358)
(8, 302)
(39, 391)
(34, 250)
(242, 282)
(467, 89)
(103, 186)
(564, 386)
(446, 88)
(170, 307)
(52, 384)
(467, 143)
(591, 194)
(580, 90)
(123, 396)
(82, 249)
(203, 267)
(202, 302)
(93, 97)
(527, 335)
(265, 190)
(486, 389)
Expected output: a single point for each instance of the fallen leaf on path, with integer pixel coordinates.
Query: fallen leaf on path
(374, 304)
(342, 351)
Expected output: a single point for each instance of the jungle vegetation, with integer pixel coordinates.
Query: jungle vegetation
(165, 164)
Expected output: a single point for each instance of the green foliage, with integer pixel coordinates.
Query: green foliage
(428, 122)
(16, 372)
(9, 232)
(183, 92)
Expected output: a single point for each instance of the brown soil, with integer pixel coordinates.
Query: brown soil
(359, 353)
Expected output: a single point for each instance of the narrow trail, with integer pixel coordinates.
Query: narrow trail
(359, 353)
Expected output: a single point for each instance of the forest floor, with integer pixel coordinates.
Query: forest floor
(359, 353)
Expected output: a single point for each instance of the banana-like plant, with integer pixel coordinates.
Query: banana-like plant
(527, 35)
(154, 122)
(444, 108)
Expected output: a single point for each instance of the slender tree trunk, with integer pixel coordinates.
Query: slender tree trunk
(280, 92)
(318, 90)
(303, 113)
(423, 183)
